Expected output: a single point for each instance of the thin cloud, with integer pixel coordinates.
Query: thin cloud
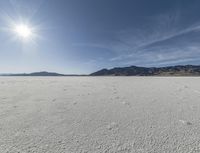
(147, 42)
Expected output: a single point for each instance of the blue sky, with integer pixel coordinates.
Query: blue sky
(82, 36)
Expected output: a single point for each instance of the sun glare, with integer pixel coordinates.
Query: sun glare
(23, 31)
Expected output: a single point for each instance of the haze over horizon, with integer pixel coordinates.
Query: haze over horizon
(80, 37)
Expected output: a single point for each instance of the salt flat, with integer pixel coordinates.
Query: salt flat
(99, 114)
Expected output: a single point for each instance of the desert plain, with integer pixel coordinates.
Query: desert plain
(99, 114)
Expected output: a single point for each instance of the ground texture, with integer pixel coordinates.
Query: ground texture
(99, 115)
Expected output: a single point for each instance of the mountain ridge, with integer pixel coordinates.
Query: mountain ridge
(41, 73)
(178, 70)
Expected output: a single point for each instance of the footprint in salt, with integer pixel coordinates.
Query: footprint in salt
(185, 122)
(117, 97)
(189, 123)
(112, 126)
(74, 103)
(126, 103)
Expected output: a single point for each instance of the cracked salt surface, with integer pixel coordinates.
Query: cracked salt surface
(99, 114)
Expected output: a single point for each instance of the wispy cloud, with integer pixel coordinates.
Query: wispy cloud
(163, 40)
(159, 44)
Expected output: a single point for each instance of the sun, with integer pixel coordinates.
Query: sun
(23, 31)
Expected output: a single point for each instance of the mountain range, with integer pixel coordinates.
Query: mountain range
(180, 70)
(43, 73)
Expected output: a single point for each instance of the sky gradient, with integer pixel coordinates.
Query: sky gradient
(82, 36)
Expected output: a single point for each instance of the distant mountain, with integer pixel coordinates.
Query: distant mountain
(35, 74)
(180, 70)
(185, 70)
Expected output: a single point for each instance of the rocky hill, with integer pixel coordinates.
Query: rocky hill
(185, 70)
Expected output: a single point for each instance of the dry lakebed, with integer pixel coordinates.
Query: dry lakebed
(99, 114)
